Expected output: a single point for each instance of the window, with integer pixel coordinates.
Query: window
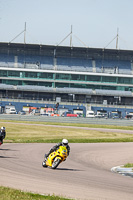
(46, 75)
(108, 79)
(125, 80)
(63, 76)
(3, 73)
(11, 82)
(14, 73)
(75, 77)
(61, 85)
(94, 78)
(31, 74)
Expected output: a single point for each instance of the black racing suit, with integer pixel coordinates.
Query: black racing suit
(54, 148)
(2, 136)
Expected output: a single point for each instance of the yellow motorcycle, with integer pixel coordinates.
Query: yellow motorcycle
(55, 158)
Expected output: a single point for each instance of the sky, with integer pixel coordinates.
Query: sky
(94, 23)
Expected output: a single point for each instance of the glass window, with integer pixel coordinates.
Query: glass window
(125, 80)
(14, 73)
(46, 84)
(61, 85)
(31, 74)
(131, 89)
(93, 78)
(75, 77)
(109, 79)
(3, 73)
(63, 76)
(105, 87)
(11, 82)
(45, 75)
(77, 85)
(82, 77)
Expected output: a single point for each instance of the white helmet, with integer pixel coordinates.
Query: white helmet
(65, 141)
(3, 129)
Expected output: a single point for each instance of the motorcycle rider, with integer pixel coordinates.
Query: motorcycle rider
(2, 134)
(54, 148)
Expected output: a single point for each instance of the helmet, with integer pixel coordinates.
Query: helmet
(3, 129)
(64, 141)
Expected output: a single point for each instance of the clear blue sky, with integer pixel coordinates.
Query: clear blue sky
(94, 22)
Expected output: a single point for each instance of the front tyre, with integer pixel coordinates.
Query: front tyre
(56, 163)
(44, 164)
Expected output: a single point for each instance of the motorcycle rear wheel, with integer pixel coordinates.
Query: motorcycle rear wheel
(56, 163)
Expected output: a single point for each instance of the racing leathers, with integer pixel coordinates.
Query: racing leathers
(2, 136)
(54, 148)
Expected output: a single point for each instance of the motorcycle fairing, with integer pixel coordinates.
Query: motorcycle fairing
(61, 154)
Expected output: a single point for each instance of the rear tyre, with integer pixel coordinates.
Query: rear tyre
(56, 163)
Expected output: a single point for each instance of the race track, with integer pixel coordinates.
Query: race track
(86, 174)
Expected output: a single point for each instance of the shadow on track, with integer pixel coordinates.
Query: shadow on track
(67, 169)
(7, 150)
(6, 157)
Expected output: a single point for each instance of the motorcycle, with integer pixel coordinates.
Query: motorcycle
(55, 158)
(1, 141)
(2, 137)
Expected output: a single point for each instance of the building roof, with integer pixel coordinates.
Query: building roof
(65, 51)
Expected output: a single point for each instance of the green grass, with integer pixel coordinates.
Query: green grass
(74, 124)
(34, 132)
(13, 194)
(128, 165)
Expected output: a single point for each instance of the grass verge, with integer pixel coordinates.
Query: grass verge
(71, 124)
(13, 194)
(34, 132)
(128, 165)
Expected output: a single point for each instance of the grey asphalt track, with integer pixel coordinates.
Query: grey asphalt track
(86, 174)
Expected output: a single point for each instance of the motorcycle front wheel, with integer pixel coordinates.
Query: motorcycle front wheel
(44, 164)
(56, 163)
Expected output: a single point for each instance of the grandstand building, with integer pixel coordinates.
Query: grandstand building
(73, 74)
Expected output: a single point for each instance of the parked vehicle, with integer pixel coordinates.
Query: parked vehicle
(129, 116)
(55, 115)
(10, 109)
(22, 112)
(101, 115)
(35, 112)
(90, 114)
(46, 114)
(69, 114)
(79, 114)
(115, 116)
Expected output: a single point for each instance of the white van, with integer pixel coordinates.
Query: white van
(90, 114)
(12, 111)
